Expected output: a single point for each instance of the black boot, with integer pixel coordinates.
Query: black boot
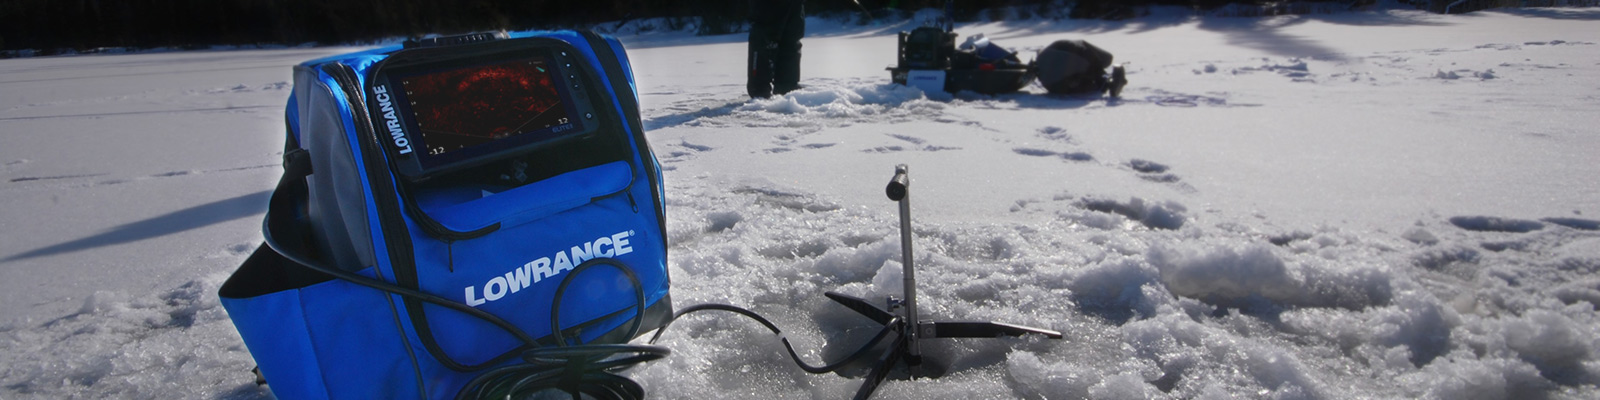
(1119, 78)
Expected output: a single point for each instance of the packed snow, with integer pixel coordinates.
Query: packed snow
(1381, 204)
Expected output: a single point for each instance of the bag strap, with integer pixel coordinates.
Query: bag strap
(292, 189)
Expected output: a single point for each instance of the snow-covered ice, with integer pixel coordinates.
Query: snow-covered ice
(1384, 204)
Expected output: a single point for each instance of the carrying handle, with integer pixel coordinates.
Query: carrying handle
(453, 40)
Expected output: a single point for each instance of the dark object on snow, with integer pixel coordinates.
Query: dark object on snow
(776, 27)
(927, 48)
(928, 59)
(1073, 67)
(1119, 80)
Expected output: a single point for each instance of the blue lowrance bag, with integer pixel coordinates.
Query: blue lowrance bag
(446, 205)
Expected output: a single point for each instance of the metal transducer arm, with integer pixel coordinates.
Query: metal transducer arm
(908, 326)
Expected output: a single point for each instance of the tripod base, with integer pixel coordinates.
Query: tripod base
(901, 347)
(905, 327)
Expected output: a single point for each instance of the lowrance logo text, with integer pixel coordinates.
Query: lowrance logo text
(386, 104)
(548, 267)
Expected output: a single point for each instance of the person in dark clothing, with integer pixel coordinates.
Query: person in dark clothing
(776, 27)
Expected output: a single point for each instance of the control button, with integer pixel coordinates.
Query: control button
(588, 115)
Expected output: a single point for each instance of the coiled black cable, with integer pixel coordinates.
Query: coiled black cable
(577, 370)
(852, 358)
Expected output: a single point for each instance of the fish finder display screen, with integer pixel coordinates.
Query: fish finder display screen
(455, 114)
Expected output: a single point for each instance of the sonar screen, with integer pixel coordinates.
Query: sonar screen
(469, 107)
(458, 113)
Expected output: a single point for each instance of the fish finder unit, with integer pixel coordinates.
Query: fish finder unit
(454, 213)
(439, 112)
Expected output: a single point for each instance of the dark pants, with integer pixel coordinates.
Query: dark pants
(776, 27)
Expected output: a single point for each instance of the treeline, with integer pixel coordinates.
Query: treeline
(86, 24)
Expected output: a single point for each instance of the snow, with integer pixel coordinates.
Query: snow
(1371, 204)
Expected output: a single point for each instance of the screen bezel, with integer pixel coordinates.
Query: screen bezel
(408, 148)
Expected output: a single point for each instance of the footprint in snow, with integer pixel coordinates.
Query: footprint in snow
(788, 200)
(1069, 156)
(784, 148)
(695, 147)
(909, 139)
(1147, 167)
(683, 151)
(917, 144)
(1172, 99)
(1495, 224)
(1157, 172)
(1155, 215)
(1575, 223)
(1056, 133)
(1152, 171)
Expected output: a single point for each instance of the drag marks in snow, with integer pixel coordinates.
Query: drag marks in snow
(790, 200)
(56, 177)
(822, 104)
(1513, 46)
(1294, 68)
(230, 108)
(151, 102)
(1386, 68)
(1069, 156)
(69, 179)
(1575, 223)
(279, 86)
(1495, 224)
(1174, 99)
(913, 144)
(700, 106)
(14, 163)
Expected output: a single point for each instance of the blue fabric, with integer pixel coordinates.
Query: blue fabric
(333, 339)
(277, 321)
(530, 202)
